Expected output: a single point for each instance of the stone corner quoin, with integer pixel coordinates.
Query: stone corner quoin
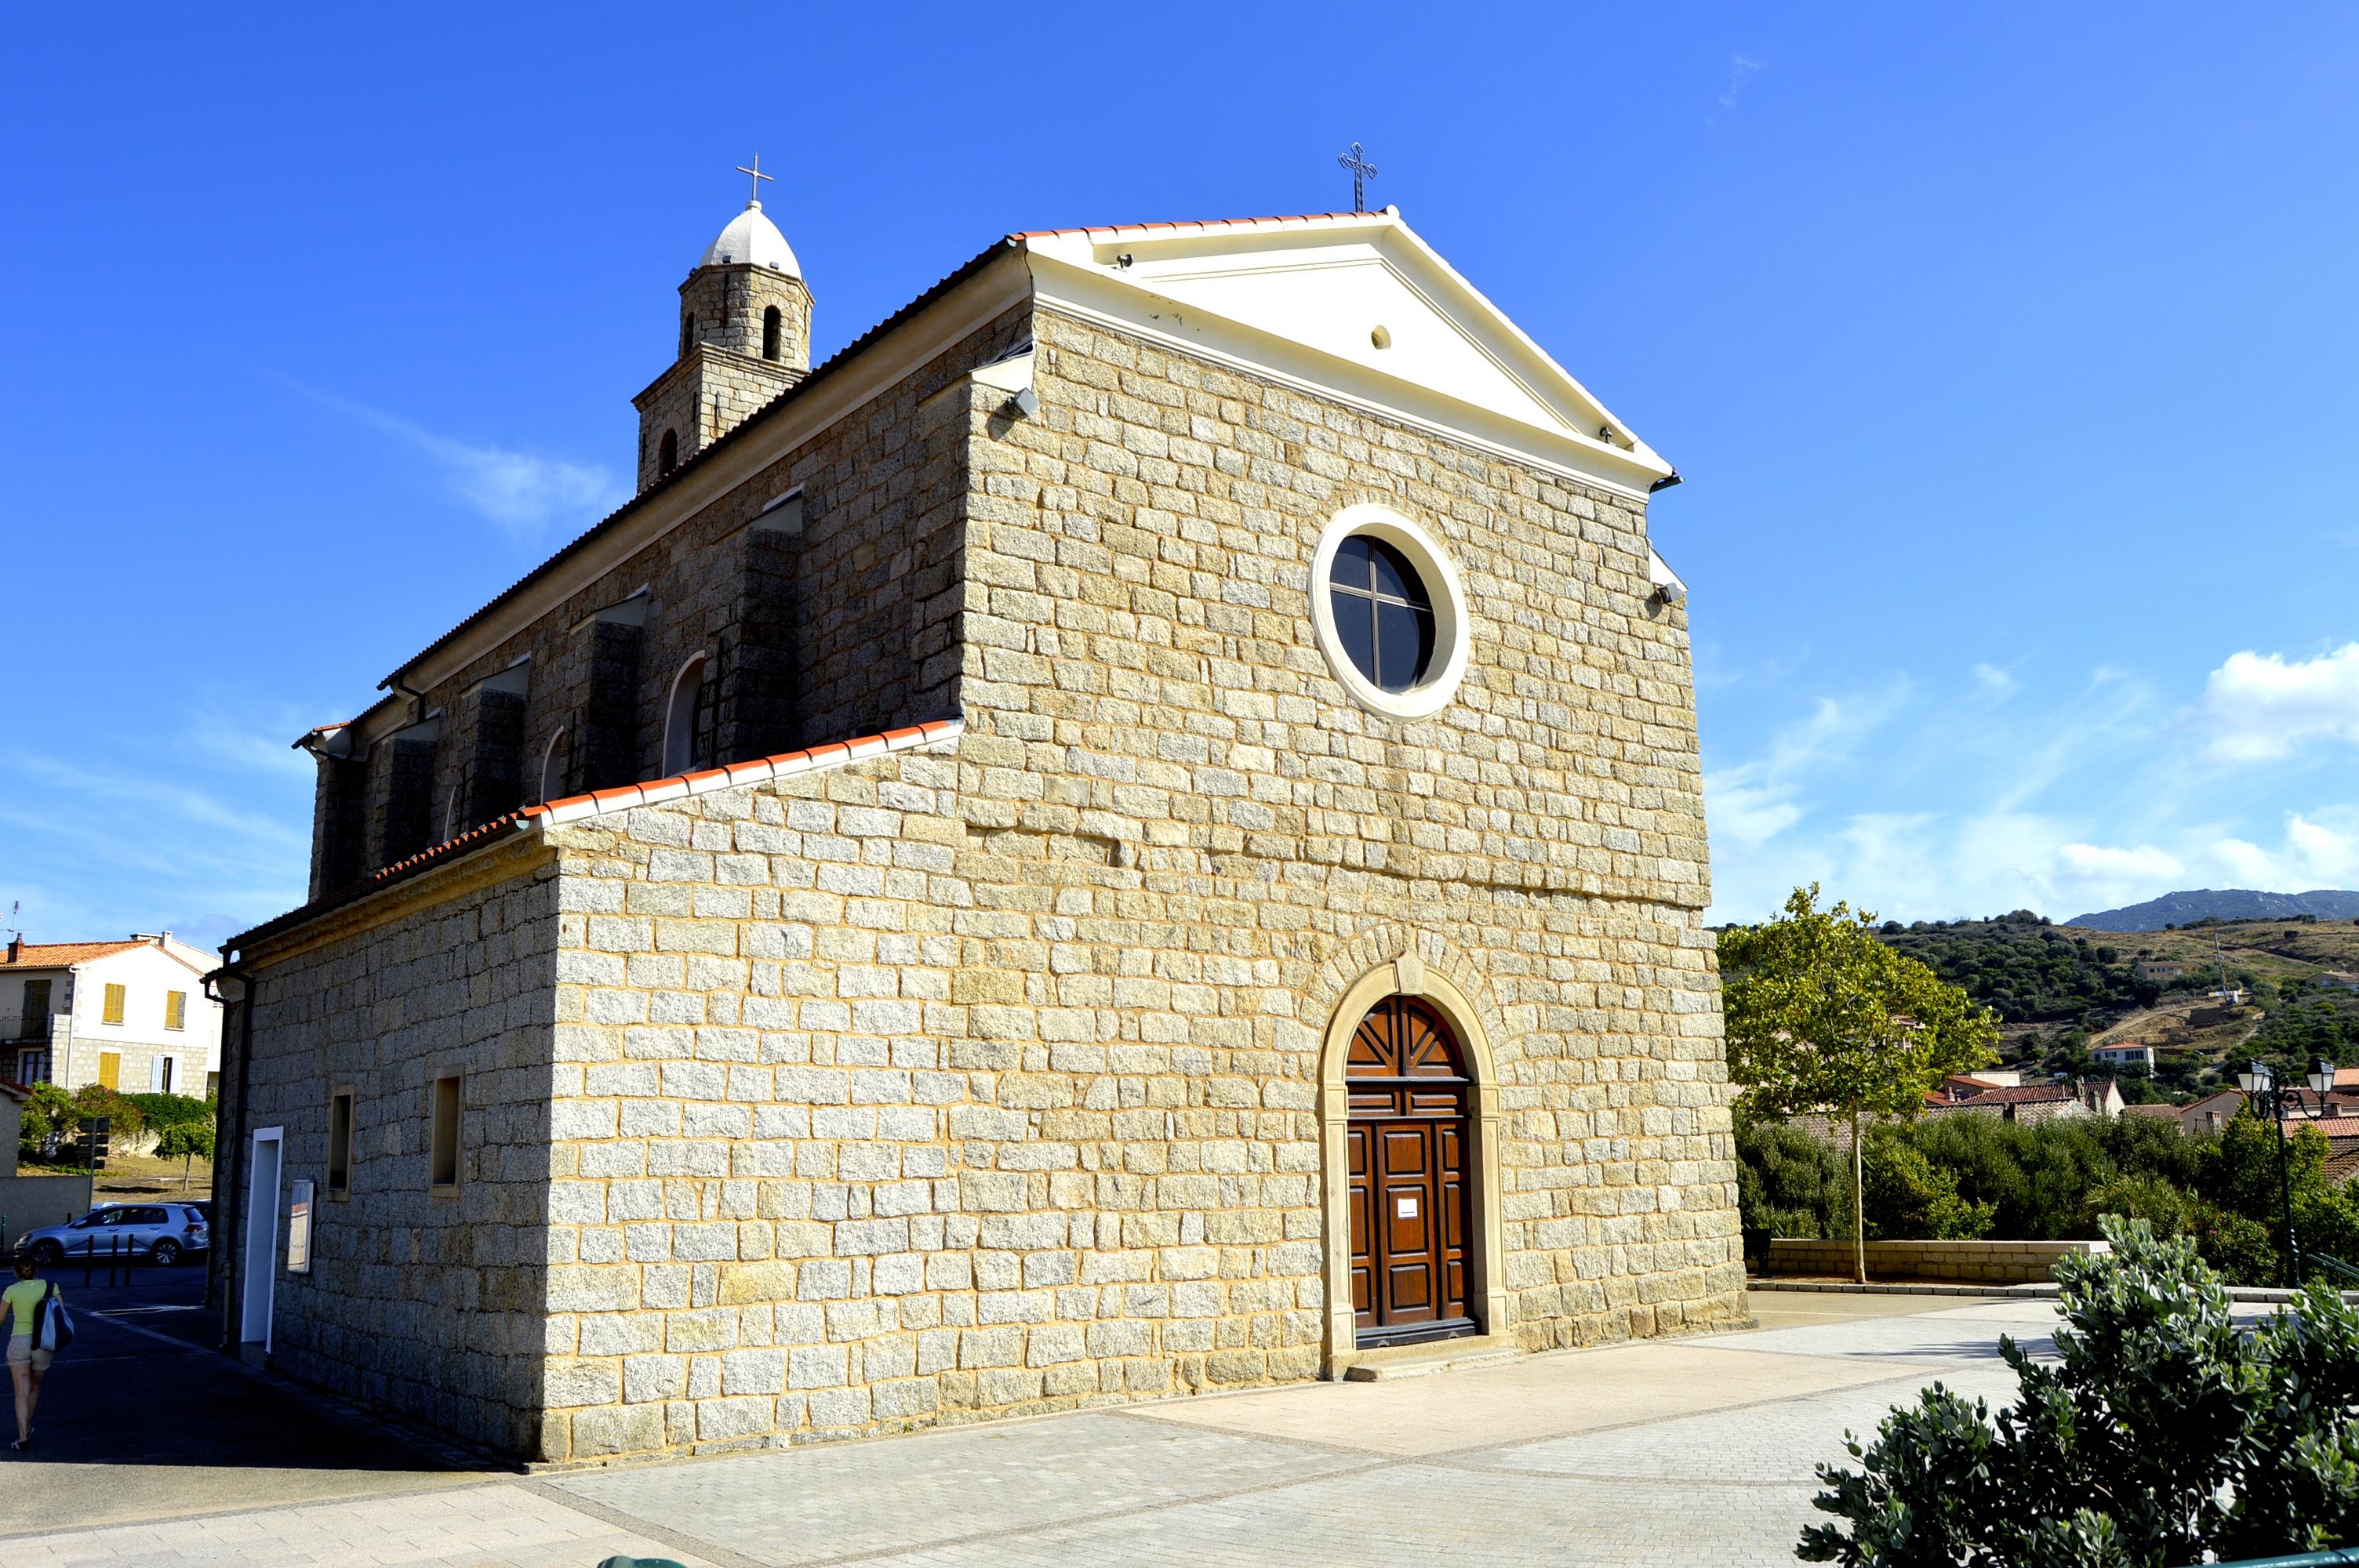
(984, 1074)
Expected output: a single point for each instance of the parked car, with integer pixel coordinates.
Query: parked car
(163, 1233)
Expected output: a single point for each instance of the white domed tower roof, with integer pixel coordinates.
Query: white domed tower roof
(751, 238)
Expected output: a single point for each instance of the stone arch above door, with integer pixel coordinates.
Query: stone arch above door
(1408, 974)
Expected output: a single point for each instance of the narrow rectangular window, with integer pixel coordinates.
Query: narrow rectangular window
(442, 1146)
(110, 1070)
(159, 1075)
(339, 1144)
(37, 1010)
(114, 1013)
(176, 1009)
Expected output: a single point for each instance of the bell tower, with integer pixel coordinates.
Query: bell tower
(745, 338)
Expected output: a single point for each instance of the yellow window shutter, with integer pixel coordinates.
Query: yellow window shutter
(110, 1064)
(176, 1009)
(114, 1013)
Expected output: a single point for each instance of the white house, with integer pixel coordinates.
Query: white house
(2123, 1055)
(131, 1014)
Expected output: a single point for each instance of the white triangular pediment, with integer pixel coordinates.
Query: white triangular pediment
(1357, 305)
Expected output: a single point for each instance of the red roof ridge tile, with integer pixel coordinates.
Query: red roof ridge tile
(1197, 224)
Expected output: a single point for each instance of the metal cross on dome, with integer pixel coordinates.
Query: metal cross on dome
(1361, 171)
(754, 193)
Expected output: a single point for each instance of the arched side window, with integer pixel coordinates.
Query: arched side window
(552, 767)
(687, 333)
(667, 452)
(679, 718)
(771, 323)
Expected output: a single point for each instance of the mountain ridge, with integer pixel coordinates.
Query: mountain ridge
(2184, 908)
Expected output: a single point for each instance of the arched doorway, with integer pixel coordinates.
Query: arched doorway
(1409, 1144)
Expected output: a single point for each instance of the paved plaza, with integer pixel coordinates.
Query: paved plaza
(1689, 1452)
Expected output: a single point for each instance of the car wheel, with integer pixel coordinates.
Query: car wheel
(165, 1253)
(49, 1254)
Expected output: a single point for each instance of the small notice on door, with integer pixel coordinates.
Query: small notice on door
(1404, 1207)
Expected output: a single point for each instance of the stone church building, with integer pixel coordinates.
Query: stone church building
(1135, 831)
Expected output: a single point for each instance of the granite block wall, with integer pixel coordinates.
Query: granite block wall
(429, 1303)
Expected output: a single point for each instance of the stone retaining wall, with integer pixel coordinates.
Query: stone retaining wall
(1991, 1262)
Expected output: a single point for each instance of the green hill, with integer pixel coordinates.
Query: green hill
(2226, 904)
(2061, 989)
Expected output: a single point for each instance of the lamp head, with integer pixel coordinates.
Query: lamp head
(2254, 1078)
(2321, 1075)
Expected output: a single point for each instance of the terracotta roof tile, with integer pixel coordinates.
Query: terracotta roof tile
(60, 954)
(2027, 1094)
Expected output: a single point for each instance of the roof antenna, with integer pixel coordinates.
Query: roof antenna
(14, 908)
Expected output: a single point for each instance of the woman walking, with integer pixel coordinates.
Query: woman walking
(22, 1302)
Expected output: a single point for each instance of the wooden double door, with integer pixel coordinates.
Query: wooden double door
(1407, 1139)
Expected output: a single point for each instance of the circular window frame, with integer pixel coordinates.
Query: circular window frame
(1452, 628)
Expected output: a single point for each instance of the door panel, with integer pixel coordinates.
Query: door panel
(1406, 1142)
(1363, 1229)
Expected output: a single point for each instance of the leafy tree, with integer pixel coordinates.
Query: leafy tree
(48, 1119)
(1824, 1017)
(184, 1140)
(2162, 1435)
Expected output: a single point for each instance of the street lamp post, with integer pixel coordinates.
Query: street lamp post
(2261, 1085)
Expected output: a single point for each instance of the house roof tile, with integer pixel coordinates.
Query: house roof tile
(58, 955)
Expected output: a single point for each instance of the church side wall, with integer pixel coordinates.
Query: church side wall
(426, 1302)
(878, 592)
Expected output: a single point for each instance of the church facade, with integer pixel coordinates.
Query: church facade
(1136, 831)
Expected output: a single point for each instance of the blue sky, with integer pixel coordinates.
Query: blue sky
(2009, 354)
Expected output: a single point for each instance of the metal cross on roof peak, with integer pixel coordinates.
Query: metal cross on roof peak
(1361, 171)
(753, 192)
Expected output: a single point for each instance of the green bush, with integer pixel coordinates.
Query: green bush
(1911, 1198)
(2163, 1433)
(2142, 1196)
(1964, 1176)
(160, 1111)
(2036, 1178)
(124, 1116)
(1788, 1183)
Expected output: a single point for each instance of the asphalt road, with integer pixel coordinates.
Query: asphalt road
(143, 1420)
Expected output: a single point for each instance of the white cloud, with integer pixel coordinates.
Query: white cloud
(1739, 69)
(1994, 680)
(1754, 802)
(204, 844)
(519, 490)
(2319, 851)
(2098, 860)
(521, 493)
(2261, 707)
